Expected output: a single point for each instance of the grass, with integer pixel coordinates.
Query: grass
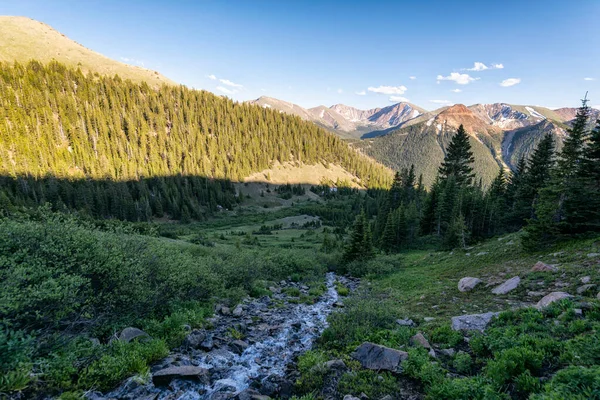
(23, 39)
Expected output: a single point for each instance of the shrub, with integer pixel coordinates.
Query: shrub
(371, 383)
(462, 363)
(576, 383)
(512, 362)
(446, 337)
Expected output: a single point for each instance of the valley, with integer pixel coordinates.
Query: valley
(164, 242)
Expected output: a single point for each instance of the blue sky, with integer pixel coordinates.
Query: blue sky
(351, 52)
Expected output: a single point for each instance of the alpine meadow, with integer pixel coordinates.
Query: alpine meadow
(269, 217)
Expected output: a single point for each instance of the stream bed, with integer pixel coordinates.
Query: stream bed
(250, 350)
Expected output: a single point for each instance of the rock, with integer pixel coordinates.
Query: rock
(247, 394)
(95, 342)
(598, 296)
(481, 253)
(541, 267)
(207, 344)
(350, 397)
(238, 346)
(225, 310)
(448, 352)
(129, 334)
(419, 340)
(238, 311)
(428, 319)
(551, 298)
(472, 322)
(274, 289)
(195, 339)
(432, 353)
(338, 304)
(585, 280)
(405, 322)
(578, 311)
(585, 288)
(376, 357)
(189, 372)
(467, 284)
(592, 255)
(334, 364)
(507, 286)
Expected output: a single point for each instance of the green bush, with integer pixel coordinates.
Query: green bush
(311, 370)
(512, 362)
(371, 383)
(463, 363)
(446, 337)
(575, 383)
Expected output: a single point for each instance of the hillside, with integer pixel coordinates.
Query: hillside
(138, 152)
(23, 39)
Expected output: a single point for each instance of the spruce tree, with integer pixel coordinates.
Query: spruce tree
(459, 159)
(360, 245)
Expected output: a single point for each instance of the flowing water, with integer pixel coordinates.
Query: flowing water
(286, 331)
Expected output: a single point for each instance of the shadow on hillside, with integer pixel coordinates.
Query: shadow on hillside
(172, 197)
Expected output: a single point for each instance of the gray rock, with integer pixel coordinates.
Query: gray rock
(376, 357)
(585, 280)
(129, 334)
(428, 319)
(551, 298)
(536, 294)
(195, 339)
(238, 311)
(448, 352)
(541, 267)
(405, 322)
(350, 397)
(507, 286)
(335, 364)
(419, 340)
(585, 288)
(481, 253)
(225, 310)
(467, 284)
(592, 255)
(472, 322)
(238, 346)
(189, 372)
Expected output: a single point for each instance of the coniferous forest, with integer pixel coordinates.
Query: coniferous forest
(114, 148)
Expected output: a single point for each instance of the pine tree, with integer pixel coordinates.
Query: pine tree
(360, 246)
(459, 159)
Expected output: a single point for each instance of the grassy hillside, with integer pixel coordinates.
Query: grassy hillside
(23, 39)
(525, 353)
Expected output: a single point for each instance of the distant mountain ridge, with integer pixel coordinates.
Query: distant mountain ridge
(348, 122)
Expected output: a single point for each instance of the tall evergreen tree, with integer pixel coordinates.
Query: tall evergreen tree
(360, 245)
(459, 159)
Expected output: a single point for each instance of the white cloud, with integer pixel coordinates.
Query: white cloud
(388, 89)
(589, 79)
(596, 107)
(442, 102)
(396, 99)
(361, 93)
(461, 79)
(456, 90)
(229, 83)
(225, 90)
(211, 77)
(479, 66)
(412, 78)
(340, 91)
(510, 82)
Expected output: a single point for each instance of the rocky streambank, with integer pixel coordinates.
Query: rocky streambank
(249, 352)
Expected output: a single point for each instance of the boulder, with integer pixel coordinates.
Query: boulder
(188, 372)
(428, 319)
(507, 286)
(405, 322)
(238, 346)
(585, 280)
(598, 296)
(195, 339)
(472, 322)
(585, 288)
(593, 255)
(535, 294)
(350, 397)
(238, 311)
(225, 310)
(376, 357)
(419, 340)
(467, 284)
(551, 298)
(542, 267)
(448, 352)
(129, 334)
